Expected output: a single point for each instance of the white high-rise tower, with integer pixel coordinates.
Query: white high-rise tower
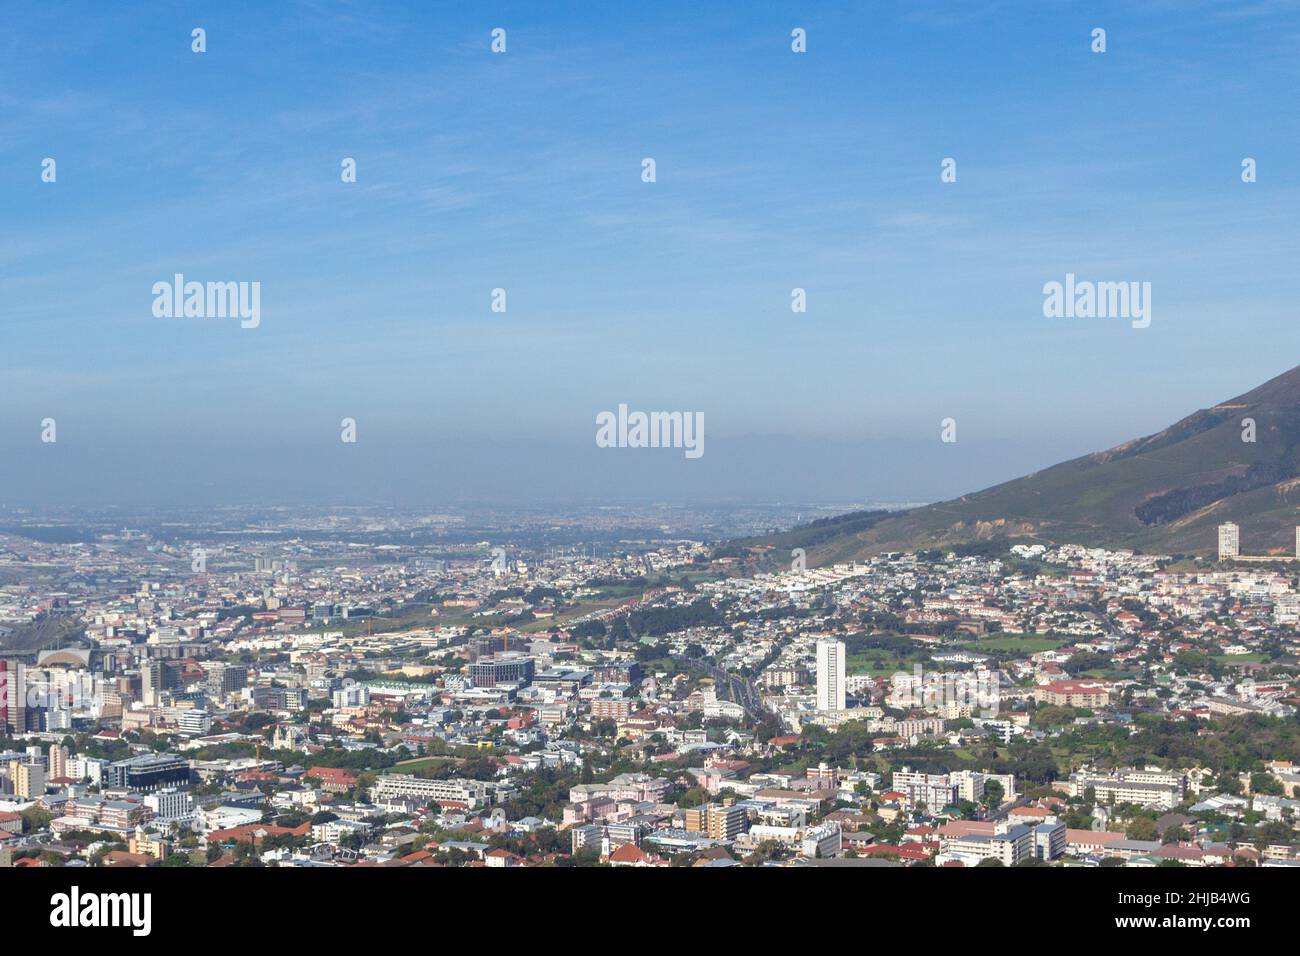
(830, 675)
(1229, 540)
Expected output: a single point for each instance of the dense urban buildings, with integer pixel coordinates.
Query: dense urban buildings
(348, 697)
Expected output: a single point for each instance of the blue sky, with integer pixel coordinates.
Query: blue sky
(522, 171)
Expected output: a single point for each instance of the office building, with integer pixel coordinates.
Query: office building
(170, 805)
(147, 772)
(195, 723)
(502, 670)
(286, 699)
(156, 677)
(223, 679)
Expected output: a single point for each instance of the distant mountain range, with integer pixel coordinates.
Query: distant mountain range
(1165, 493)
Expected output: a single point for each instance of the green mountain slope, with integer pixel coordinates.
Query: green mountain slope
(1166, 492)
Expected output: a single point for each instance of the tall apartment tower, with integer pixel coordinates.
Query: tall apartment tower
(28, 779)
(1230, 540)
(830, 675)
(58, 761)
(151, 678)
(725, 823)
(1297, 541)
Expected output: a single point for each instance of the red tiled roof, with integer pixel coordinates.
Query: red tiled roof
(1028, 812)
(629, 853)
(1092, 837)
(917, 851)
(255, 832)
(332, 775)
(961, 828)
